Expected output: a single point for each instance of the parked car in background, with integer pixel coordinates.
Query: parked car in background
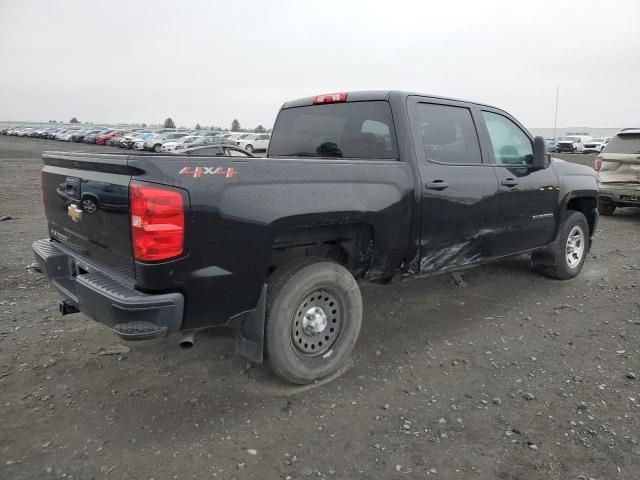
(199, 142)
(106, 136)
(94, 136)
(596, 145)
(154, 144)
(128, 141)
(115, 140)
(45, 132)
(66, 135)
(572, 143)
(78, 136)
(255, 142)
(551, 145)
(25, 132)
(618, 168)
(242, 136)
(215, 151)
(51, 134)
(171, 146)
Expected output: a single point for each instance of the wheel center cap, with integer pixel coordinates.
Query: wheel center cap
(314, 321)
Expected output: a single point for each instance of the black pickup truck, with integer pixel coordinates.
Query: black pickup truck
(362, 186)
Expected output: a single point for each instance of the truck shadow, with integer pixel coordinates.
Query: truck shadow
(397, 318)
(209, 386)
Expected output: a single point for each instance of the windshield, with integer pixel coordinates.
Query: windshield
(628, 144)
(568, 139)
(342, 130)
(599, 140)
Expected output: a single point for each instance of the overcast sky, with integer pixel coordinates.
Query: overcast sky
(212, 61)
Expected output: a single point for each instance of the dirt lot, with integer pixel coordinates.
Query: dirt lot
(513, 376)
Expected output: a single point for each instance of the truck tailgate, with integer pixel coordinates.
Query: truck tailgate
(86, 201)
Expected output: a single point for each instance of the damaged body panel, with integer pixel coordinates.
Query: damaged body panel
(619, 171)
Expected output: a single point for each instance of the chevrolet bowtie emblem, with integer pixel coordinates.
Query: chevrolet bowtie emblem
(74, 212)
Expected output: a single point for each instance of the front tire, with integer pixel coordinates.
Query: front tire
(565, 257)
(249, 148)
(314, 314)
(157, 148)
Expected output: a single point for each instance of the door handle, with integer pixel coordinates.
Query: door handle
(508, 182)
(436, 185)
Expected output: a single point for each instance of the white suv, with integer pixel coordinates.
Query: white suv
(255, 141)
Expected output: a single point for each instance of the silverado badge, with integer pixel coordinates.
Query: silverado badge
(74, 212)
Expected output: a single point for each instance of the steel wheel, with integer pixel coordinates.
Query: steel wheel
(317, 323)
(575, 247)
(314, 313)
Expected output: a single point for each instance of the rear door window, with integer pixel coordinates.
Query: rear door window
(628, 144)
(448, 134)
(338, 130)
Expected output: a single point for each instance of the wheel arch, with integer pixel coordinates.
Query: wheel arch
(588, 206)
(350, 245)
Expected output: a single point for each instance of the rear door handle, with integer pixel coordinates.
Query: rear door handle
(508, 182)
(437, 185)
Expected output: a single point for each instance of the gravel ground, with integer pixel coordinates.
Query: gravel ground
(507, 376)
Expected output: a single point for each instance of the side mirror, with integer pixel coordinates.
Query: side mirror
(540, 155)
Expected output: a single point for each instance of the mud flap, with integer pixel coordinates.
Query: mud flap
(250, 334)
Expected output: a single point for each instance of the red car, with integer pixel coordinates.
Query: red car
(103, 138)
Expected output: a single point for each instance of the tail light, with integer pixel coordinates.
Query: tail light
(330, 98)
(157, 222)
(597, 163)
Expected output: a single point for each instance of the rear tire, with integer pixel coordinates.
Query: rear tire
(156, 148)
(606, 209)
(314, 314)
(568, 252)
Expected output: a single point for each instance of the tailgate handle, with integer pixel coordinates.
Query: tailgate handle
(508, 182)
(437, 185)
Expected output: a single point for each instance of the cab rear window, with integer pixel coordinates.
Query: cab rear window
(338, 130)
(629, 144)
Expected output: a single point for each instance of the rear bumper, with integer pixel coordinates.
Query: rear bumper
(106, 298)
(620, 195)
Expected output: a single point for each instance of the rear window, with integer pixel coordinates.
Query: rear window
(629, 144)
(337, 130)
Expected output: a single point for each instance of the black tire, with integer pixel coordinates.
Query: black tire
(156, 147)
(249, 148)
(554, 262)
(308, 284)
(606, 209)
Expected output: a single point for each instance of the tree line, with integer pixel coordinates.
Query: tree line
(169, 123)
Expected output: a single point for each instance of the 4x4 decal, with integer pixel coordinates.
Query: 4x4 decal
(197, 172)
